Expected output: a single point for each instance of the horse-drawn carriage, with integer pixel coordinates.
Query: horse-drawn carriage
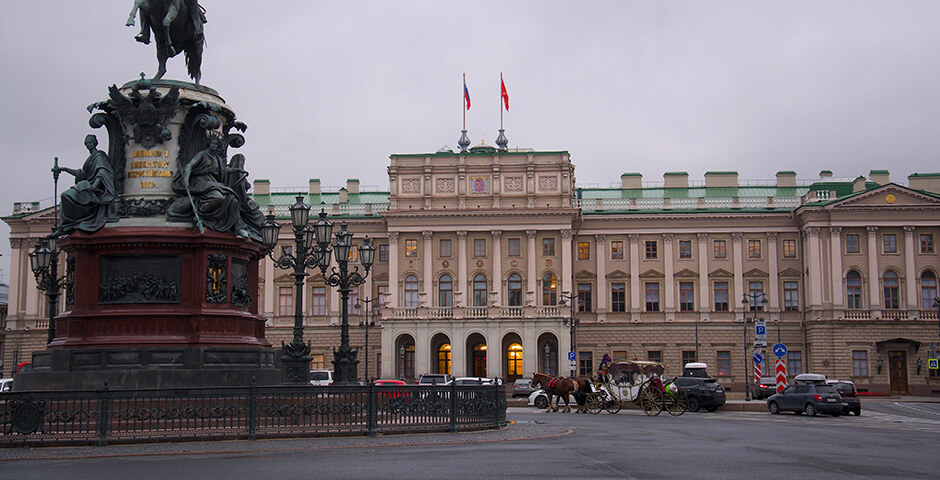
(641, 383)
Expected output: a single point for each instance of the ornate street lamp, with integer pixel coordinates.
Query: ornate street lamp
(571, 321)
(307, 255)
(44, 262)
(370, 311)
(749, 299)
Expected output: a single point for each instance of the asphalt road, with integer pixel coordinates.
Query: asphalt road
(890, 440)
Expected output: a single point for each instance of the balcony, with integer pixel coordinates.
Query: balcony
(474, 313)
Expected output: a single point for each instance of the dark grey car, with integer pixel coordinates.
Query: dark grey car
(704, 393)
(808, 398)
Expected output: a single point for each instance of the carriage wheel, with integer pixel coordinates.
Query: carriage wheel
(593, 404)
(651, 399)
(677, 403)
(613, 406)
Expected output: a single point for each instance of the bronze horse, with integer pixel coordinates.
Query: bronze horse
(177, 27)
(562, 387)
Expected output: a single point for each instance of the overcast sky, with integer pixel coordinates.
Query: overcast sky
(330, 89)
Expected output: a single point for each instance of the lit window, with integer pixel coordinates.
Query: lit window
(789, 248)
(616, 250)
(584, 250)
(721, 248)
(514, 360)
(753, 249)
(411, 247)
(549, 289)
(443, 359)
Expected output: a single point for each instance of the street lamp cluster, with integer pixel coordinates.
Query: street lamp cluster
(750, 299)
(312, 249)
(572, 321)
(44, 262)
(370, 310)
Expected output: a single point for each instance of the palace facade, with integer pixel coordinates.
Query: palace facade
(493, 263)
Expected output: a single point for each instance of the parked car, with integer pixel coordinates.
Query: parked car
(809, 397)
(765, 388)
(539, 399)
(522, 387)
(435, 379)
(477, 381)
(849, 393)
(6, 385)
(695, 369)
(321, 377)
(390, 383)
(701, 393)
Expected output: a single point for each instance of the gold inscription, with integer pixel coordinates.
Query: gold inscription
(148, 184)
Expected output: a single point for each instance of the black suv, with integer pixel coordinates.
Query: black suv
(704, 393)
(846, 389)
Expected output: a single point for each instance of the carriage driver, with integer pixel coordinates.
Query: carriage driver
(196, 12)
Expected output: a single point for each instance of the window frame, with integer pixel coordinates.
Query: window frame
(853, 293)
(928, 292)
(686, 296)
(853, 244)
(514, 247)
(285, 308)
(514, 294)
(410, 297)
(383, 253)
(445, 297)
(620, 302)
(717, 304)
(443, 252)
(411, 247)
(651, 289)
(860, 363)
(585, 291)
(479, 248)
(480, 297)
(584, 250)
(651, 250)
(754, 249)
(720, 248)
(927, 244)
(548, 246)
(685, 249)
(319, 308)
(789, 247)
(723, 363)
(616, 249)
(791, 296)
(891, 294)
(889, 240)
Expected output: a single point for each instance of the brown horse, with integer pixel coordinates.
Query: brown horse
(563, 387)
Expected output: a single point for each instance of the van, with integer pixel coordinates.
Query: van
(321, 377)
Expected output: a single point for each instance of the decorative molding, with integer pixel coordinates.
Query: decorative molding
(548, 183)
(462, 234)
(737, 236)
(142, 207)
(393, 236)
(446, 185)
(835, 231)
(216, 280)
(513, 184)
(427, 234)
(531, 233)
(634, 238)
(668, 237)
(496, 234)
(16, 242)
(909, 230)
(771, 236)
(479, 185)
(812, 231)
(600, 239)
(411, 185)
(702, 237)
(566, 233)
(241, 295)
(871, 231)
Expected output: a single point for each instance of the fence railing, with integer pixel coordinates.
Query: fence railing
(110, 416)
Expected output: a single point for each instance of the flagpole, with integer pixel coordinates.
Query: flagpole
(463, 101)
(500, 100)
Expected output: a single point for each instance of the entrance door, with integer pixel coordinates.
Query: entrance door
(479, 360)
(897, 370)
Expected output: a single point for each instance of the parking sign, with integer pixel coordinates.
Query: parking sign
(572, 356)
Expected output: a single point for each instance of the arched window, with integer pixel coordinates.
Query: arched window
(479, 290)
(853, 289)
(549, 289)
(515, 290)
(411, 291)
(514, 360)
(928, 289)
(892, 286)
(445, 291)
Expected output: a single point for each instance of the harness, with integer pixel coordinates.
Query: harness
(552, 382)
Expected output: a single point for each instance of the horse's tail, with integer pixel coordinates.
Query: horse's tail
(194, 60)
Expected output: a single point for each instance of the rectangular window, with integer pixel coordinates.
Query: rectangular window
(620, 355)
(383, 253)
(651, 250)
(723, 362)
(479, 247)
(548, 247)
(721, 296)
(411, 247)
(654, 356)
(794, 363)
(586, 364)
(688, 356)
(686, 296)
(753, 249)
(926, 243)
(791, 297)
(616, 250)
(789, 248)
(618, 297)
(755, 292)
(319, 301)
(851, 243)
(316, 361)
(446, 247)
(860, 363)
(652, 297)
(721, 248)
(685, 249)
(584, 297)
(285, 302)
(353, 255)
(515, 247)
(890, 242)
(584, 250)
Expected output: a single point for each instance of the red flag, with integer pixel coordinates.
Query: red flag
(505, 94)
(466, 94)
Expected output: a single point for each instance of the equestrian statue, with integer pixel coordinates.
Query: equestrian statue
(177, 27)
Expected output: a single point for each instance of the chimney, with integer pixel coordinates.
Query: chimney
(858, 185)
(928, 182)
(261, 187)
(313, 186)
(721, 179)
(825, 174)
(631, 180)
(343, 195)
(352, 185)
(881, 177)
(676, 180)
(786, 179)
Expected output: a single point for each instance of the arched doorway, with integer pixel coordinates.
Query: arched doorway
(440, 354)
(476, 355)
(405, 358)
(512, 357)
(548, 354)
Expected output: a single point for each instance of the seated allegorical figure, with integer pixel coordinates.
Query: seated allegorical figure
(90, 203)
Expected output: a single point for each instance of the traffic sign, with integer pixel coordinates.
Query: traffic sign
(758, 372)
(933, 364)
(780, 350)
(760, 343)
(780, 369)
(572, 356)
(758, 358)
(760, 329)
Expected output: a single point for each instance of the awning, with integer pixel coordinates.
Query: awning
(915, 343)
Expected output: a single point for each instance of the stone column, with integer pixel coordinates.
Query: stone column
(874, 296)
(835, 252)
(910, 272)
(815, 268)
(393, 289)
(17, 272)
(461, 300)
(566, 263)
(773, 290)
(601, 254)
(531, 271)
(669, 265)
(498, 266)
(704, 304)
(494, 351)
(458, 352)
(635, 276)
(423, 349)
(428, 256)
(737, 257)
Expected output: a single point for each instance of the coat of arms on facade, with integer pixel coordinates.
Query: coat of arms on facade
(479, 184)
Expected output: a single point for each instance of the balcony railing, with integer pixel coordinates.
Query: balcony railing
(470, 313)
(693, 203)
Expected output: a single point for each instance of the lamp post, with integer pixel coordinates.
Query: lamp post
(370, 310)
(571, 321)
(307, 255)
(750, 299)
(401, 363)
(44, 262)
(548, 352)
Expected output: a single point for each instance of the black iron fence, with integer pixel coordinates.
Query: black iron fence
(109, 416)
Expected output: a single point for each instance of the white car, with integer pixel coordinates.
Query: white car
(539, 399)
(477, 381)
(6, 385)
(321, 377)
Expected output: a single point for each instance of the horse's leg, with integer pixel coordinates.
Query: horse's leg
(130, 18)
(161, 61)
(171, 13)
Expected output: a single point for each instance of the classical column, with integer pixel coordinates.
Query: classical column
(566, 263)
(737, 258)
(601, 254)
(458, 352)
(531, 272)
(461, 282)
(17, 272)
(423, 349)
(634, 274)
(669, 289)
(498, 266)
(393, 290)
(428, 256)
(835, 254)
(773, 290)
(815, 268)
(703, 287)
(874, 297)
(910, 273)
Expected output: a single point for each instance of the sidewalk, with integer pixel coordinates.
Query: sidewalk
(736, 402)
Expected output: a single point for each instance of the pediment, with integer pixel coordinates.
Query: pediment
(382, 277)
(651, 274)
(585, 275)
(284, 278)
(721, 273)
(890, 195)
(618, 274)
(790, 273)
(755, 272)
(686, 273)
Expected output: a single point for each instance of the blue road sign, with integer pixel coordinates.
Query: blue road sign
(760, 330)
(780, 350)
(571, 356)
(758, 358)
